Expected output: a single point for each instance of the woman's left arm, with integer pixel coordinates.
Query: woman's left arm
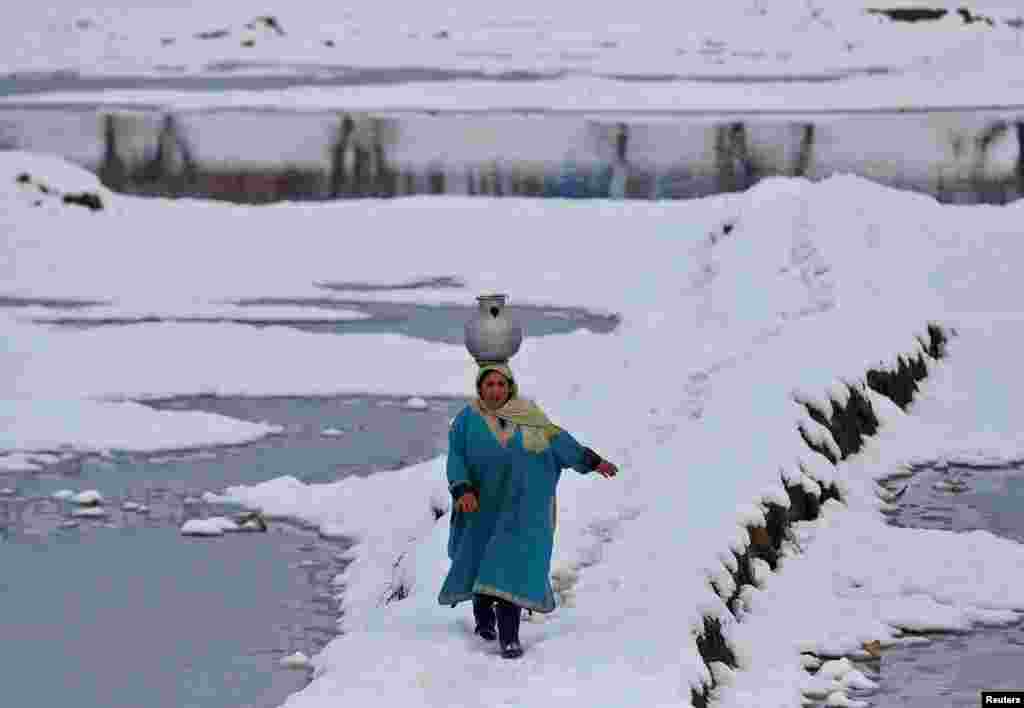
(569, 453)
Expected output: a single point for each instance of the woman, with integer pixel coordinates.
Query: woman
(504, 461)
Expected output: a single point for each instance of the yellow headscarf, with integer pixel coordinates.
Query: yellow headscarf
(538, 430)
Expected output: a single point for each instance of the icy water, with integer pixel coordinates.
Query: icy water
(951, 670)
(121, 610)
(435, 323)
(128, 612)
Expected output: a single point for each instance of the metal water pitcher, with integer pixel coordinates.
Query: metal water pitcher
(491, 335)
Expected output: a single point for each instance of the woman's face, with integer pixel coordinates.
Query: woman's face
(494, 389)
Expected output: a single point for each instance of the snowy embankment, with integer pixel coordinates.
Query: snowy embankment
(743, 315)
(748, 38)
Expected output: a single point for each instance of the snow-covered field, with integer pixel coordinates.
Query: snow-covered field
(752, 37)
(736, 310)
(649, 54)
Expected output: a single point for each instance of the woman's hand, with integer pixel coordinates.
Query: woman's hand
(467, 502)
(606, 469)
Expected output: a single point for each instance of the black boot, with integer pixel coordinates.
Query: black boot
(508, 629)
(483, 613)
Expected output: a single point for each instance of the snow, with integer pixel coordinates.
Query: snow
(734, 38)
(90, 512)
(699, 396)
(265, 314)
(214, 526)
(18, 462)
(519, 103)
(298, 660)
(88, 498)
(416, 403)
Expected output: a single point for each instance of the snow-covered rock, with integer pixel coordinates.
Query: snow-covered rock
(857, 679)
(89, 497)
(215, 526)
(841, 700)
(416, 403)
(809, 661)
(298, 660)
(835, 669)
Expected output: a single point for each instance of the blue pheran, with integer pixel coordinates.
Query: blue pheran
(504, 548)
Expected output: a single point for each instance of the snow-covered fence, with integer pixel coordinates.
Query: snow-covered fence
(267, 155)
(844, 426)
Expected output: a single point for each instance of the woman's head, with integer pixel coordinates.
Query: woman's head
(495, 385)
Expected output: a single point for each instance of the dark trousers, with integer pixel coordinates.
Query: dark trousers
(487, 609)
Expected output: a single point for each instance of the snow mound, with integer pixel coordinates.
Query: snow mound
(215, 526)
(90, 497)
(38, 180)
(298, 660)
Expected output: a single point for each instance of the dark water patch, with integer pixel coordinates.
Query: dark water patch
(323, 438)
(220, 77)
(960, 499)
(446, 323)
(953, 668)
(129, 612)
(433, 323)
(444, 281)
(56, 303)
(132, 614)
(306, 324)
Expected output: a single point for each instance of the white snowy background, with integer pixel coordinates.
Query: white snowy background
(736, 310)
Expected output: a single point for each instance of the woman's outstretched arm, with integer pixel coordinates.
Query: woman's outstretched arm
(569, 453)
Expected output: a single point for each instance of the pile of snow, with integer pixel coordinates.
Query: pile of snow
(298, 660)
(90, 497)
(52, 184)
(214, 526)
(416, 403)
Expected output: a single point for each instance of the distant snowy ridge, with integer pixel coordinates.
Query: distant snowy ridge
(732, 38)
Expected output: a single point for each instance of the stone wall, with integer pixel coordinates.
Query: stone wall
(848, 424)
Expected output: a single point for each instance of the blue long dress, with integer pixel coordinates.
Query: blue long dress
(504, 548)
